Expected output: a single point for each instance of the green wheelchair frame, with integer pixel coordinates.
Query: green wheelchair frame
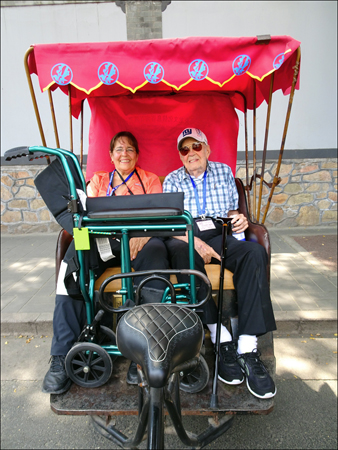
(114, 226)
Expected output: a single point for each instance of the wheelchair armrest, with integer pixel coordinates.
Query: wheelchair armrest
(144, 212)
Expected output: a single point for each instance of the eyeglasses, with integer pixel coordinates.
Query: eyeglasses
(197, 147)
(120, 150)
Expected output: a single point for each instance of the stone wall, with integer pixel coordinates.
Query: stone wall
(306, 196)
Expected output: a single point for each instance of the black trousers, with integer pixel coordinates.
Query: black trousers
(70, 314)
(248, 262)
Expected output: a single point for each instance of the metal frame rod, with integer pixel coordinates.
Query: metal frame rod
(292, 92)
(268, 114)
(254, 153)
(70, 118)
(81, 137)
(31, 89)
(53, 118)
(247, 189)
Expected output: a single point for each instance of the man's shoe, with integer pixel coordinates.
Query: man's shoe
(228, 370)
(258, 381)
(132, 374)
(56, 380)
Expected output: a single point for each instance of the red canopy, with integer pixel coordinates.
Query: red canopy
(141, 70)
(169, 65)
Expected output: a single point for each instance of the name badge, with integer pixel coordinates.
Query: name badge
(206, 224)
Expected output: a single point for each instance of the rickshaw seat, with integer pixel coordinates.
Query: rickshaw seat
(152, 335)
(255, 232)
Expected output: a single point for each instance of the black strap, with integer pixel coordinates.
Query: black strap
(138, 176)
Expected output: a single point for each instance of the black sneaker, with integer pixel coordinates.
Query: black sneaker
(258, 381)
(56, 380)
(228, 370)
(132, 374)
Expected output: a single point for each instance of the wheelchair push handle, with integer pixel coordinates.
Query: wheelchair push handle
(19, 152)
(150, 275)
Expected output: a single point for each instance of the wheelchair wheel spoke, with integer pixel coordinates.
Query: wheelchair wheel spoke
(99, 368)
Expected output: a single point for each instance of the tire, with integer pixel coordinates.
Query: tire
(197, 379)
(88, 365)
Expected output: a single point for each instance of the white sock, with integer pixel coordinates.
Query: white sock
(246, 343)
(225, 335)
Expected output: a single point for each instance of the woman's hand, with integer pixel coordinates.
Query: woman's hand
(205, 251)
(136, 245)
(239, 223)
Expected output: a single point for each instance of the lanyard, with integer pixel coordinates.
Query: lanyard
(201, 212)
(111, 182)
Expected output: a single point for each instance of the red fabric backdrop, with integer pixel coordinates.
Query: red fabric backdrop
(156, 123)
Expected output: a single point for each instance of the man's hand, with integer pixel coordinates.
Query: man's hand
(239, 222)
(136, 245)
(205, 251)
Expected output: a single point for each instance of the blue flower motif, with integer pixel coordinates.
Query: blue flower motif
(198, 69)
(108, 73)
(61, 74)
(153, 72)
(241, 64)
(278, 61)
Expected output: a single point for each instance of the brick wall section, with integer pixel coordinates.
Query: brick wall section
(306, 196)
(144, 20)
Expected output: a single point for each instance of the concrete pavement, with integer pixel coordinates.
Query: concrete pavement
(304, 414)
(303, 288)
(304, 299)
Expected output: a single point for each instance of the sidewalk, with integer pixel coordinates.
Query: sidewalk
(303, 287)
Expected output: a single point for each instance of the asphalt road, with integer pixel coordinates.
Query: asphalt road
(304, 416)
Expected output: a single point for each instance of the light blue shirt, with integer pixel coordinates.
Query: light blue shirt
(222, 195)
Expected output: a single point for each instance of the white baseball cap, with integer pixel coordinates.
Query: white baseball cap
(194, 133)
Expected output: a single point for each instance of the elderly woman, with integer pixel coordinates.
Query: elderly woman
(129, 179)
(146, 253)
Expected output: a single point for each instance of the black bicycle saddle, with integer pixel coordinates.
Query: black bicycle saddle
(159, 337)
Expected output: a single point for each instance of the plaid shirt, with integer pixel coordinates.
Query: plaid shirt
(222, 194)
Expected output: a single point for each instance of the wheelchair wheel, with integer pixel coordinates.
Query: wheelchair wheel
(88, 365)
(106, 336)
(195, 380)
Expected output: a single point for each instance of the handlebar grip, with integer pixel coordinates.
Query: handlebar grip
(18, 152)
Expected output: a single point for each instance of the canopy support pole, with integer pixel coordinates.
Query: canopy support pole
(254, 152)
(247, 189)
(53, 118)
(35, 105)
(265, 147)
(276, 179)
(81, 143)
(70, 119)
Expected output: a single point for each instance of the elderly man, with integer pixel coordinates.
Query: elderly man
(210, 192)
